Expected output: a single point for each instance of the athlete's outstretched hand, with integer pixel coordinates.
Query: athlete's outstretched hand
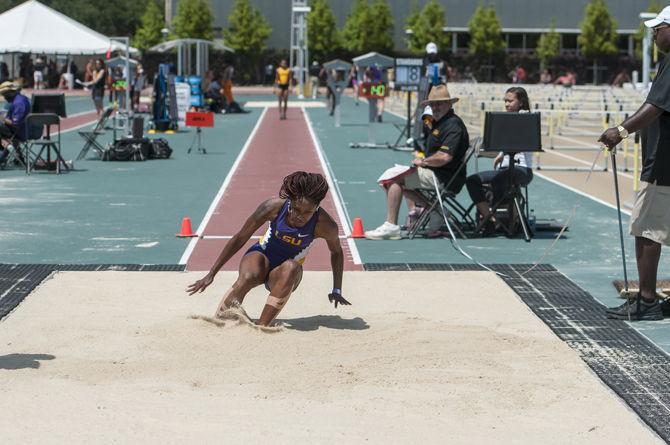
(338, 299)
(200, 285)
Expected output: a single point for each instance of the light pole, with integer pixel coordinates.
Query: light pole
(646, 50)
(126, 41)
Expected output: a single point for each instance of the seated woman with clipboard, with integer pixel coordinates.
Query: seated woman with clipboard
(516, 101)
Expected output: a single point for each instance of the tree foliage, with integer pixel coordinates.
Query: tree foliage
(380, 25)
(354, 33)
(598, 31)
(247, 29)
(549, 46)
(654, 7)
(149, 32)
(369, 27)
(322, 33)
(485, 32)
(427, 26)
(194, 19)
(412, 24)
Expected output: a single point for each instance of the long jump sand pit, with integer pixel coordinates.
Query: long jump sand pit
(420, 357)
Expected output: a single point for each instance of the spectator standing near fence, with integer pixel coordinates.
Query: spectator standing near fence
(353, 75)
(545, 77)
(228, 74)
(38, 74)
(650, 218)
(88, 70)
(97, 85)
(314, 72)
(137, 86)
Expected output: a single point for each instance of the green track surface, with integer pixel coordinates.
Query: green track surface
(117, 212)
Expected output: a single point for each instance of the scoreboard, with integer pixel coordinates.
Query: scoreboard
(371, 90)
(408, 74)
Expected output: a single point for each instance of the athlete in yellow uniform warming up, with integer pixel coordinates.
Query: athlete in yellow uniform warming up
(283, 81)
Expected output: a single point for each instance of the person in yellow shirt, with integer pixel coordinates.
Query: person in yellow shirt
(283, 81)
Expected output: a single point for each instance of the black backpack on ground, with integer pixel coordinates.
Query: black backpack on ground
(130, 149)
(160, 149)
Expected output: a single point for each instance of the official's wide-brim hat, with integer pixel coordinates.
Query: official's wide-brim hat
(8, 86)
(439, 93)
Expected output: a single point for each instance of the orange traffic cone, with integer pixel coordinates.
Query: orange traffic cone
(358, 232)
(186, 230)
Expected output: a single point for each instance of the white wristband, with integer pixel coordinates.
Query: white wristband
(337, 291)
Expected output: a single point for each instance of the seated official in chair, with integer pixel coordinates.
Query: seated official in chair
(446, 147)
(516, 101)
(13, 125)
(214, 95)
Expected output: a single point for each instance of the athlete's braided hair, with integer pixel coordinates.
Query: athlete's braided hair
(311, 186)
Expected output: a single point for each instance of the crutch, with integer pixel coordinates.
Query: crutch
(618, 210)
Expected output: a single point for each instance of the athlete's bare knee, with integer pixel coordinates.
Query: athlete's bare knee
(248, 279)
(291, 267)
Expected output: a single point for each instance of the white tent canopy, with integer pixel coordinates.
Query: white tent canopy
(33, 27)
(166, 46)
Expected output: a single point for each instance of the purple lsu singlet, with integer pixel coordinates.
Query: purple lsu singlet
(282, 242)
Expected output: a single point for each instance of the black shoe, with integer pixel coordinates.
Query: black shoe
(379, 118)
(665, 307)
(635, 310)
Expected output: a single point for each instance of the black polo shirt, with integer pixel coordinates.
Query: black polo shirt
(449, 135)
(656, 137)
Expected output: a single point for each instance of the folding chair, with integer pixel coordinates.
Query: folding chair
(16, 153)
(458, 215)
(509, 210)
(91, 136)
(47, 146)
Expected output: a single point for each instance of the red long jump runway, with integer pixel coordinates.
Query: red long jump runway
(276, 149)
(78, 120)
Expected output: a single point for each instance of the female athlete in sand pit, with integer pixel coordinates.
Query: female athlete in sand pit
(276, 259)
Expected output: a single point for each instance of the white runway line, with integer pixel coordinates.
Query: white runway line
(191, 245)
(337, 194)
(275, 104)
(253, 237)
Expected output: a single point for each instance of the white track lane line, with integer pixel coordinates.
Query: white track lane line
(579, 192)
(191, 245)
(336, 194)
(253, 237)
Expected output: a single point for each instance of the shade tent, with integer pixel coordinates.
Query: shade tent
(337, 64)
(35, 28)
(121, 61)
(373, 58)
(185, 59)
(166, 46)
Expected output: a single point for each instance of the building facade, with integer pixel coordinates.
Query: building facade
(523, 21)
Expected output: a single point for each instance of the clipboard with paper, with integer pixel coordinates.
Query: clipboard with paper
(394, 173)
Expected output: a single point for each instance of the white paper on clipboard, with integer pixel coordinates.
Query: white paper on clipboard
(395, 172)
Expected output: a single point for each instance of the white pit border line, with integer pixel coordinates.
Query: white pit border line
(191, 245)
(337, 195)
